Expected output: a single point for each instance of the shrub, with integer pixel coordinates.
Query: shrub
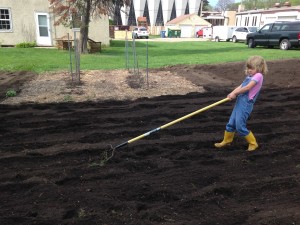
(11, 93)
(26, 45)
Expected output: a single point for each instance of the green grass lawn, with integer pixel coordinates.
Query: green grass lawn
(117, 56)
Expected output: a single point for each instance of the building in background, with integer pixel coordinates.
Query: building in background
(260, 17)
(226, 18)
(187, 24)
(157, 12)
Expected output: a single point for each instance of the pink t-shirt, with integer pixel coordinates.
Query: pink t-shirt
(258, 78)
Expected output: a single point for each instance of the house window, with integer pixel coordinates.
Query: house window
(254, 20)
(5, 20)
(287, 18)
(246, 21)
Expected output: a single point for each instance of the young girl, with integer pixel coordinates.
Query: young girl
(246, 95)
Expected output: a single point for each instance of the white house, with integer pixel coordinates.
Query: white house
(32, 20)
(261, 17)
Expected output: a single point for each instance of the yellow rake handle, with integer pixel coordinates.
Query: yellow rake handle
(172, 123)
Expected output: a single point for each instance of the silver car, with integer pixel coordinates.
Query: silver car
(140, 32)
(240, 33)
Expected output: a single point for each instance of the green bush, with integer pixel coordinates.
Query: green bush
(26, 45)
(11, 93)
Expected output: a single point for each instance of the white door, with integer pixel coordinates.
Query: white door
(186, 32)
(43, 36)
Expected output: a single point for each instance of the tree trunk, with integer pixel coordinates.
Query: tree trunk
(84, 31)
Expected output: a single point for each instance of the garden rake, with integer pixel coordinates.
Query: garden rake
(108, 154)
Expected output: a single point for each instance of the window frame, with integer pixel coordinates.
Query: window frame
(265, 28)
(10, 20)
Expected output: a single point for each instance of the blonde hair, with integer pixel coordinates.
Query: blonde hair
(257, 63)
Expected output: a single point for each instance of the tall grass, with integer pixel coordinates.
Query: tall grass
(159, 54)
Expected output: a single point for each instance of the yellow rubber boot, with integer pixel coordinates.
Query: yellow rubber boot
(228, 138)
(251, 141)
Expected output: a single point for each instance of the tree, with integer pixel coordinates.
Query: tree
(295, 2)
(206, 5)
(256, 4)
(223, 5)
(264, 4)
(79, 13)
(271, 3)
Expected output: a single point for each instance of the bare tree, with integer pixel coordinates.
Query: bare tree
(223, 5)
(81, 12)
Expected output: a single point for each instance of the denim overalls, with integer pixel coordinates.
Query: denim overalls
(241, 112)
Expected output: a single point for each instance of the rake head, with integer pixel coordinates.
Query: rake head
(107, 154)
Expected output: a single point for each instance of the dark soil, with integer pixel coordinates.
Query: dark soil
(51, 170)
(13, 81)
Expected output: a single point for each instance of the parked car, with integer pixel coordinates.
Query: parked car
(284, 34)
(240, 33)
(140, 32)
(204, 32)
(199, 33)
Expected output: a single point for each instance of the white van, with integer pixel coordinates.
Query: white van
(222, 33)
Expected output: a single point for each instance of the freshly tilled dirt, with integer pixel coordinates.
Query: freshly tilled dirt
(52, 173)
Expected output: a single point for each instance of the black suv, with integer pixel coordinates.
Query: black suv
(282, 34)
